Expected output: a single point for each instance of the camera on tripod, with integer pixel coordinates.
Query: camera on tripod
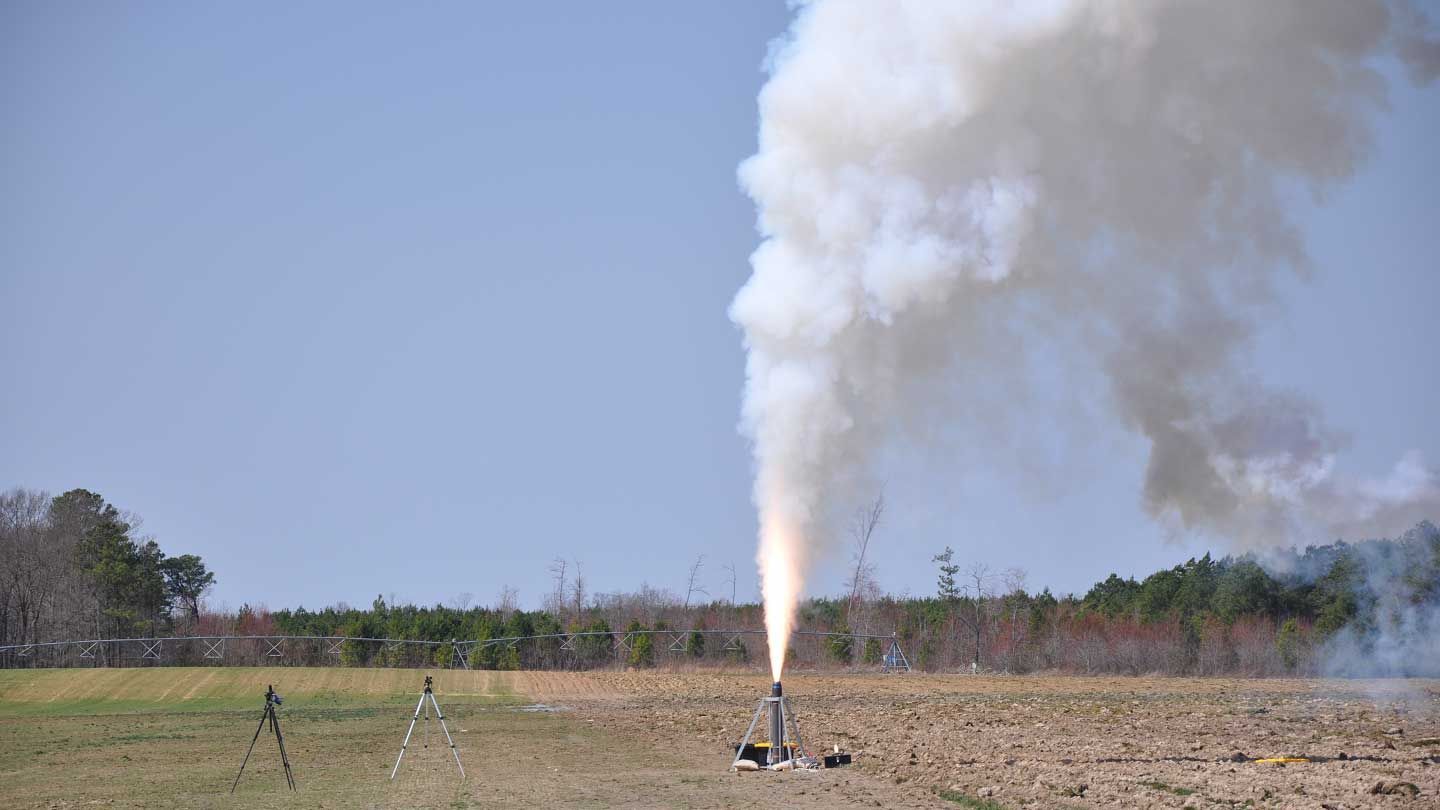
(273, 719)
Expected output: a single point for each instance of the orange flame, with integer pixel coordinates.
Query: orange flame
(780, 585)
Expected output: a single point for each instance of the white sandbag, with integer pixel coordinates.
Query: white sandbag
(746, 765)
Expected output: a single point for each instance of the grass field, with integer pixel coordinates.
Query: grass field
(174, 738)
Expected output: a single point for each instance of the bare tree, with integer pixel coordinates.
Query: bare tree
(577, 592)
(29, 571)
(692, 582)
(978, 590)
(508, 602)
(731, 579)
(647, 605)
(1014, 580)
(558, 570)
(862, 528)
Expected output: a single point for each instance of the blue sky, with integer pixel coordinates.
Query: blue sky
(353, 300)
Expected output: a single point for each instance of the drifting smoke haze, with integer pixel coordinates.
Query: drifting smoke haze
(1393, 590)
(939, 183)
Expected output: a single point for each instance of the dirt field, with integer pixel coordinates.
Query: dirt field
(174, 738)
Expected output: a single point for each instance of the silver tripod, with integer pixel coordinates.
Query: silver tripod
(428, 694)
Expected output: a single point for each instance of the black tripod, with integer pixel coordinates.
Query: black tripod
(271, 701)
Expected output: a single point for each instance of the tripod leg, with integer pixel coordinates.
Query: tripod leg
(284, 757)
(448, 738)
(408, 732)
(740, 750)
(795, 732)
(780, 743)
(258, 729)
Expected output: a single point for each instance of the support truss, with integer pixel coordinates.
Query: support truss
(679, 642)
(152, 650)
(87, 648)
(895, 660)
(273, 649)
(215, 649)
(462, 653)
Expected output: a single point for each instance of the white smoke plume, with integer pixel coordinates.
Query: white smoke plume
(939, 182)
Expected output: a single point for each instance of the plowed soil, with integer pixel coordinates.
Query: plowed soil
(1080, 742)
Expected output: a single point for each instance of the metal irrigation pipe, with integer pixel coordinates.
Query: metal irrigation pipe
(13, 648)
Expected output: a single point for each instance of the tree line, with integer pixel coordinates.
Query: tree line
(74, 566)
(1367, 608)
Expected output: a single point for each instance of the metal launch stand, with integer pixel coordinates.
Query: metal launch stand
(271, 701)
(784, 743)
(428, 694)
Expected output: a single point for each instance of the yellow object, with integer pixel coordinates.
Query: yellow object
(1280, 760)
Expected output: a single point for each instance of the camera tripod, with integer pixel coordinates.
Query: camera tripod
(428, 694)
(271, 701)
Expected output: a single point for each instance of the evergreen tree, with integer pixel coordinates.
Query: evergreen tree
(642, 647)
(873, 652)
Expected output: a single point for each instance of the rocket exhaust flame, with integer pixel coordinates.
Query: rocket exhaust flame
(780, 573)
(949, 191)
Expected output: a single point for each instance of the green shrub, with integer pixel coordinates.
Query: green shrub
(484, 656)
(642, 647)
(873, 653)
(443, 655)
(738, 654)
(1288, 642)
(842, 648)
(509, 658)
